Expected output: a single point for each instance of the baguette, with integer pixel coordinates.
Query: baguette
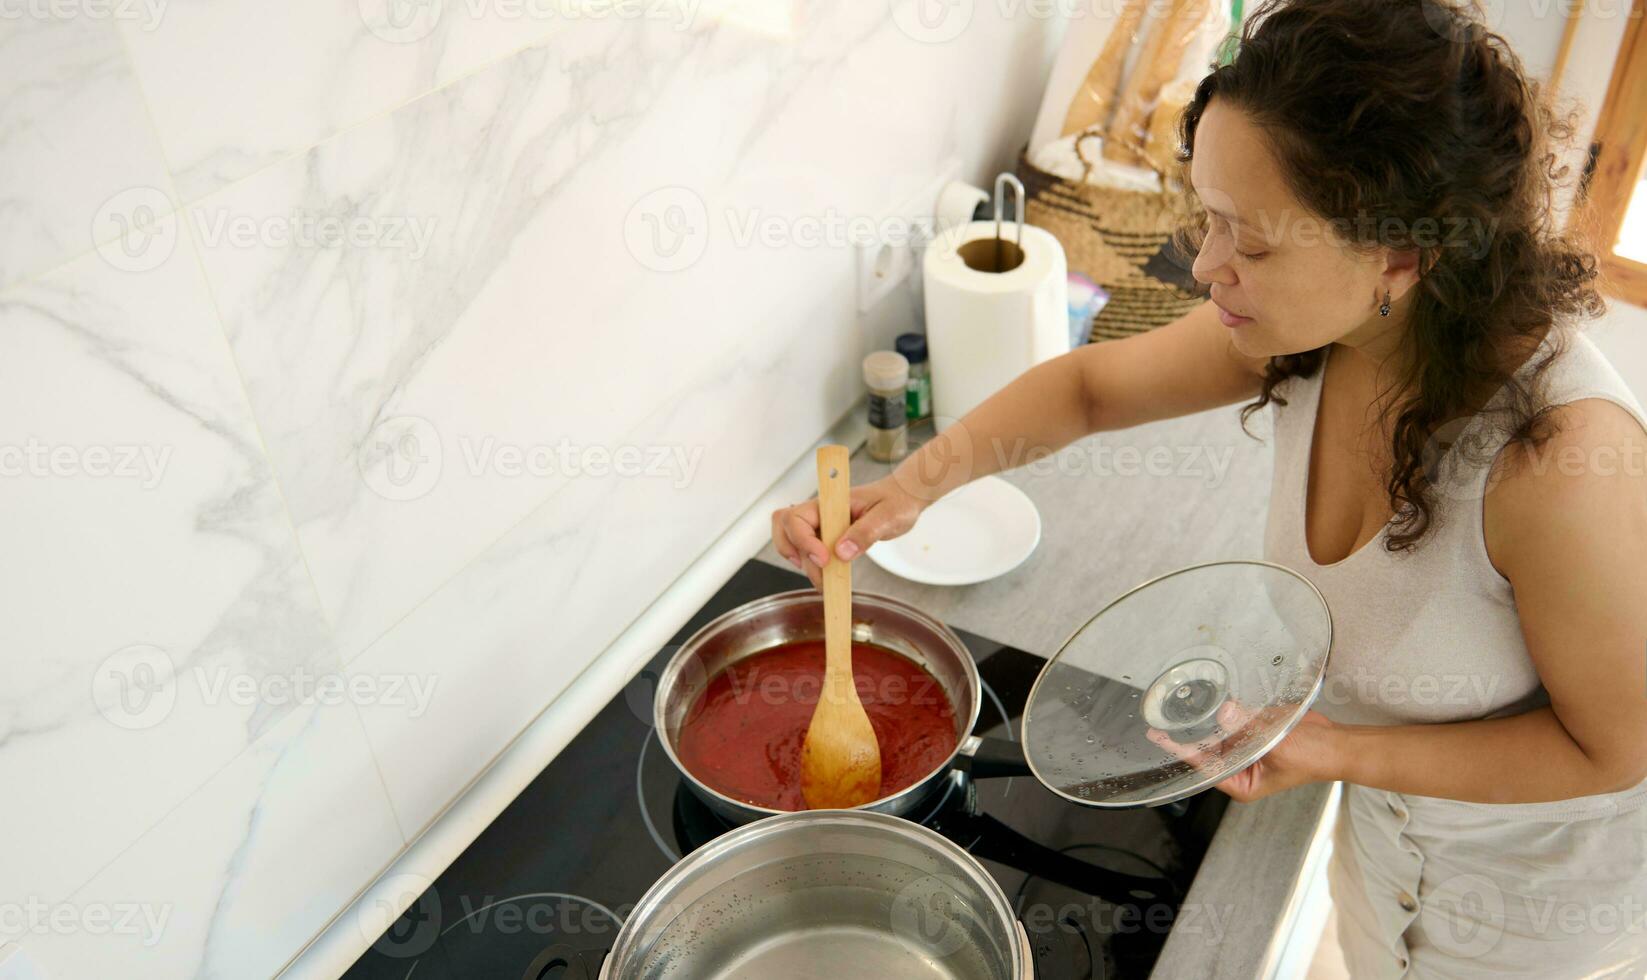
(1161, 147)
(1095, 98)
(1157, 65)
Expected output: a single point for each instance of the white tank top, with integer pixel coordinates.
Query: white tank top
(1428, 887)
(1430, 634)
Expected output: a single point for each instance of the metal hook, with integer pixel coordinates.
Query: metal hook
(1002, 182)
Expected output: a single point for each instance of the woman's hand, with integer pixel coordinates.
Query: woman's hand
(880, 510)
(1305, 755)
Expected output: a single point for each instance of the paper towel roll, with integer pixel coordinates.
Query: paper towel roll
(985, 328)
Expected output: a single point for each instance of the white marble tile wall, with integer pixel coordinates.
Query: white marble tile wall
(365, 368)
(72, 135)
(148, 558)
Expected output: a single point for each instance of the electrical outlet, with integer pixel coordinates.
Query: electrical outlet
(900, 239)
(881, 267)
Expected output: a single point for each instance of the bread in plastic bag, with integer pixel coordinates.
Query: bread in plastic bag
(1107, 89)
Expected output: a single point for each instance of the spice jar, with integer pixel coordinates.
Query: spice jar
(887, 375)
(919, 390)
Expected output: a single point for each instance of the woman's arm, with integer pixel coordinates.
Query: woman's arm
(1567, 525)
(1528, 758)
(1185, 366)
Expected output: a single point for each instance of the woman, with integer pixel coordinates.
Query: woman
(1463, 477)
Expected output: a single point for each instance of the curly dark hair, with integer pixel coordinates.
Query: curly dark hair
(1390, 116)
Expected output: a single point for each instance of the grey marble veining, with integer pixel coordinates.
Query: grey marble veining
(73, 137)
(494, 172)
(502, 171)
(156, 570)
(1107, 525)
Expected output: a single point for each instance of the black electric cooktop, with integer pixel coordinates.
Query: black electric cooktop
(541, 894)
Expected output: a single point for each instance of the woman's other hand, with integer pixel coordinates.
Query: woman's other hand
(880, 510)
(1305, 755)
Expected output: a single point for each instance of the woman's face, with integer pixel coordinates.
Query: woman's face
(1269, 260)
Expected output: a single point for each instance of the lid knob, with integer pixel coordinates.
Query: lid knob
(1184, 700)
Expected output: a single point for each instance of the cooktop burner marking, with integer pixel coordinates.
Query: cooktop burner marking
(515, 898)
(640, 794)
(1006, 722)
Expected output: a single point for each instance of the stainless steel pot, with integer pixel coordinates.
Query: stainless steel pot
(822, 895)
(789, 617)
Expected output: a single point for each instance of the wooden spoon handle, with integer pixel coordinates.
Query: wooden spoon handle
(834, 517)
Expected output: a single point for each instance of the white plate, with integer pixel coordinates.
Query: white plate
(984, 529)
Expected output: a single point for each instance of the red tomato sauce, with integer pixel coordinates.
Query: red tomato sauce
(743, 735)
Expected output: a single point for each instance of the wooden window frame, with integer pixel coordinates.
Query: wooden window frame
(1616, 153)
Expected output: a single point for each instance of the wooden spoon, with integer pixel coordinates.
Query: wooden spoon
(840, 760)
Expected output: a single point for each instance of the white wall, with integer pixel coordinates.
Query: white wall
(1534, 28)
(544, 247)
(1622, 336)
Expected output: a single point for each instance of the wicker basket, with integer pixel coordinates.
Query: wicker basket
(1121, 240)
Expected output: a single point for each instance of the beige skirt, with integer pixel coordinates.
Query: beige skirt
(1432, 888)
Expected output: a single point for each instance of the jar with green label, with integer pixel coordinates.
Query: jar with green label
(918, 392)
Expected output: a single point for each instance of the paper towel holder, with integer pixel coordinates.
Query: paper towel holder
(997, 254)
(1002, 182)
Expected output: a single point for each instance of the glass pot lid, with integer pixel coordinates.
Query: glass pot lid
(1224, 658)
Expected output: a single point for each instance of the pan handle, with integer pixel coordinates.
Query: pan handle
(987, 758)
